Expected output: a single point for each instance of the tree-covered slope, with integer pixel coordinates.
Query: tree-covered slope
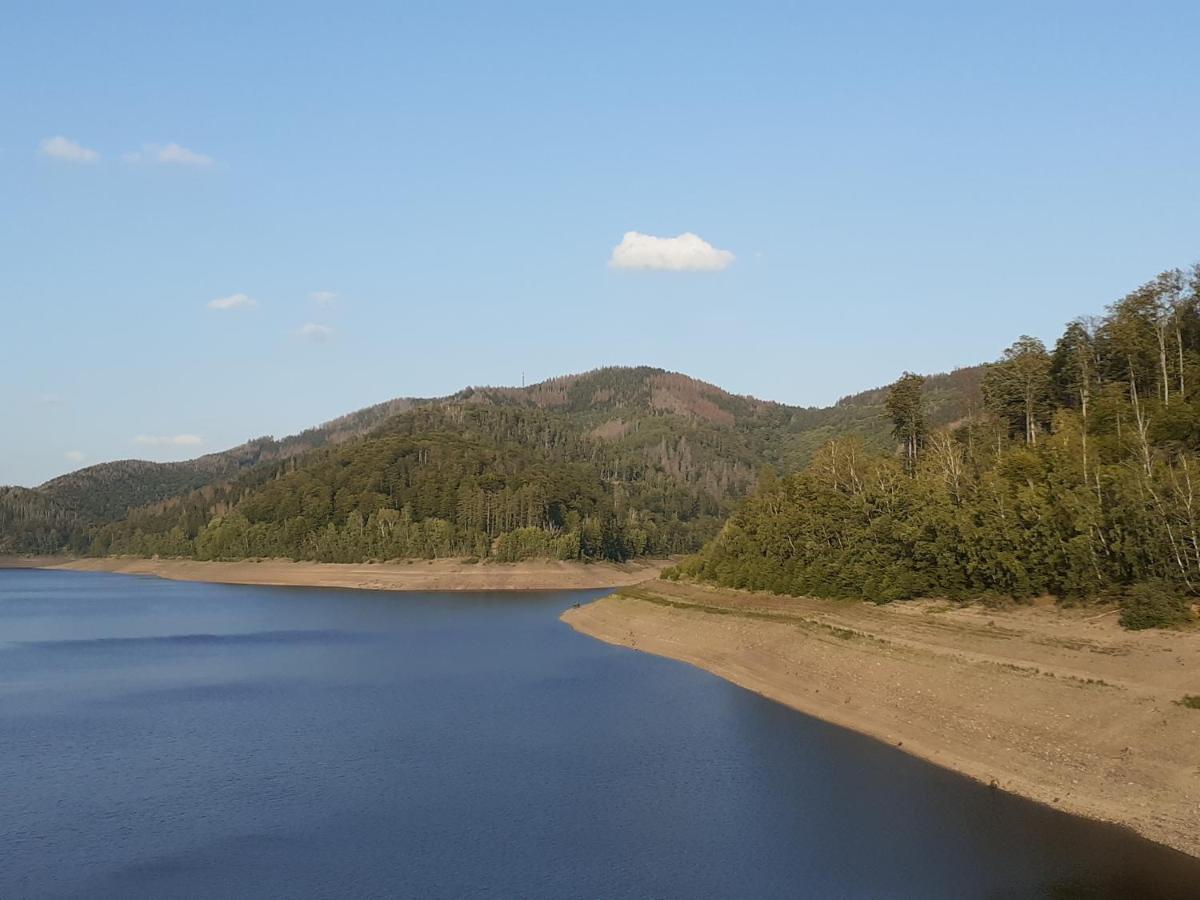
(621, 461)
(61, 513)
(107, 491)
(489, 472)
(1078, 475)
(32, 523)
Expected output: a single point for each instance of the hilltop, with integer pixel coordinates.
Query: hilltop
(630, 460)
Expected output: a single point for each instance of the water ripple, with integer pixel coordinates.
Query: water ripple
(322, 636)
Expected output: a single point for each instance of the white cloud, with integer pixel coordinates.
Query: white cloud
(323, 298)
(315, 332)
(169, 154)
(176, 440)
(67, 150)
(173, 153)
(233, 301)
(685, 252)
(75, 455)
(51, 400)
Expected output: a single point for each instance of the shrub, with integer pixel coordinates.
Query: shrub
(1154, 604)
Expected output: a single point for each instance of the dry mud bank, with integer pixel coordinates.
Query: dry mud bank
(419, 575)
(1060, 706)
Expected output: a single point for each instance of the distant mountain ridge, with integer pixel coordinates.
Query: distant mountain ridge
(108, 490)
(633, 413)
(612, 389)
(55, 515)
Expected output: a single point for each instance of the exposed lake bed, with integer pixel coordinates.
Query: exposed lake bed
(400, 575)
(171, 738)
(1061, 706)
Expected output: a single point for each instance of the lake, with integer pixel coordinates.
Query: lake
(172, 739)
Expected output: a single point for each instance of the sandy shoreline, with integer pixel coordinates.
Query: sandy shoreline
(1060, 706)
(420, 575)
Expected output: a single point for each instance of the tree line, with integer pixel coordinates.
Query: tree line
(470, 480)
(1078, 477)
(676, 451)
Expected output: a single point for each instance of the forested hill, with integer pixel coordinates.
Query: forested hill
(1078, 476)
(621, 461)
(61, 514)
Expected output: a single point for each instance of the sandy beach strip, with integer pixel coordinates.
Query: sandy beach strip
(1060, 706)
(418, 575)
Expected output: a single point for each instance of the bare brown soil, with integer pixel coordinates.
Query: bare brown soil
(418, 575)
(29, 562)
(1062, 706)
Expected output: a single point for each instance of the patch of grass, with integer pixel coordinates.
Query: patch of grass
(1191, 701)
(635, 593)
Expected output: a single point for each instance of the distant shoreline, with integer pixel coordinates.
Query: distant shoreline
(1059, 706)
(417, 575)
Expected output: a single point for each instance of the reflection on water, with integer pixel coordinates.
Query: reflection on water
(172, 739)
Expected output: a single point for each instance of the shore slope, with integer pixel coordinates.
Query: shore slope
(419, 575)
(1060, 706)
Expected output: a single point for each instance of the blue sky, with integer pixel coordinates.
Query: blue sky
(901, 186)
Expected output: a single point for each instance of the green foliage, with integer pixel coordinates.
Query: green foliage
(108, 491)
(1019, 523)
(1079, 478)
(905, 407)
(1017, 389)
(32, 523)
(1155, 604)
(610, 464)
(490, 480)
(672, 452)
(64, 513)
(1191, 701)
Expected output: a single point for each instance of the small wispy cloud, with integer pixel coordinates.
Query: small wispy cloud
(233, 301)
(67, 150)
(75, 456)
(167, 440)
(182, 156)
(169, 154)
(323, 298)
(687, 252)
(314, 332)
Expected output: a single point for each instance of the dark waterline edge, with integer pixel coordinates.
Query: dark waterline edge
(1125, 830)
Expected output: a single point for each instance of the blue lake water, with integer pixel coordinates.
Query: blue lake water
(170, 739)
